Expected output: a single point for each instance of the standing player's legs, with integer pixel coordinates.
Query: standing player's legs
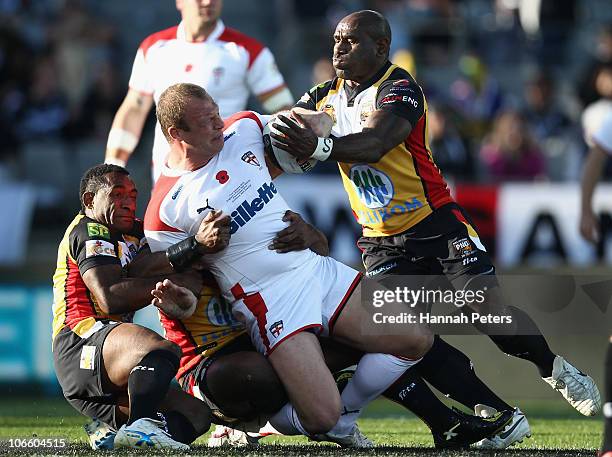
(140, 361)
(467, 265)
(385, 257)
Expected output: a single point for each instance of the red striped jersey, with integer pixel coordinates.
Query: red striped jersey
(87, 244)
(405, 186)
(228, 64)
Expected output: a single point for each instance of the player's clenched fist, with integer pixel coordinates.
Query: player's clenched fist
(175, 301)
(214, 232)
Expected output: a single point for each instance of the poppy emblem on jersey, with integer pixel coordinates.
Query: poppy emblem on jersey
(276, 329)
(222, 177)
(188, 68)
(250, 158)
(374, 188)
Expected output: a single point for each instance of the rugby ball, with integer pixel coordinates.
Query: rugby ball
(280, 158)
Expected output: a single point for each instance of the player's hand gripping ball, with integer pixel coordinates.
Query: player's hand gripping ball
(282, 159)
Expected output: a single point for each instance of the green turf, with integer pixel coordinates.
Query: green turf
(557, 430)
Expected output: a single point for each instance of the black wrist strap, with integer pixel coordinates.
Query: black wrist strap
(181, 254)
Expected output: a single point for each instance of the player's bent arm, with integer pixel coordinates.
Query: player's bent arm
(116, 294)
(383, 131)
(127, 127)
(148, 263)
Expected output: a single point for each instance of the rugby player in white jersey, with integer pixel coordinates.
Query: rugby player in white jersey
(218, 173)
(200, 50)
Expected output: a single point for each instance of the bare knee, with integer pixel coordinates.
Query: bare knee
(321, 418)
(420, 345)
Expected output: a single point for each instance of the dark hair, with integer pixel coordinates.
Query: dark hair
(93, 179)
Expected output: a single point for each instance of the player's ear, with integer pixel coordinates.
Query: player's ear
(174, 133)
(382, 46)
(87, 199)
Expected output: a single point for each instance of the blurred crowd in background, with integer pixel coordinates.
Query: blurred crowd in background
(507, 81)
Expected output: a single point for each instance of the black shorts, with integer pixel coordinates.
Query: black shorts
(444, 243)
(194, 381)
(78, 366)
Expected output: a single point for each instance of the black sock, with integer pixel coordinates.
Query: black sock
(180, 428)
(607, 440)
(414, 394)
(149, 381)
(528, 343)
(451, 372)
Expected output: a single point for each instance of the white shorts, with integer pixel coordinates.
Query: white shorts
(309, 297)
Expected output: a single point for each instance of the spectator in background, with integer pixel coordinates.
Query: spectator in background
(552, 128)
(510, 153)
(476, 96)
(449, 149)
(94, 118)
(45, 113)
(601, 55)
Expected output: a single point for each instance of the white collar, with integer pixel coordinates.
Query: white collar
(216, 33)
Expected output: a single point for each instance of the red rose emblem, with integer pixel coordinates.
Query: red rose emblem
(222, 177)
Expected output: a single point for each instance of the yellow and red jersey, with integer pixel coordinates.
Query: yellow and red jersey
(405, 185)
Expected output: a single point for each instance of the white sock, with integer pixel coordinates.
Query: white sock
(286, 422)
(374, 374)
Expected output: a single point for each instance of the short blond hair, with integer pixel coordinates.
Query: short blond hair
(170, 110)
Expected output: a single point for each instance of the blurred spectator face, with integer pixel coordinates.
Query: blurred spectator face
(604, 45)
(322, 71)
(509, 132)
(206, 11)
(603, 82)
(539, 93)
(436, 124)
(44, 80)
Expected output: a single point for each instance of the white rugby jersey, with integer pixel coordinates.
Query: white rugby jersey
(236, 181)
(228, 64)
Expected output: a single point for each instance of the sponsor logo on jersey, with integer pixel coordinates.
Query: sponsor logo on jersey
(380, 215)
(366, 109)
(463, 247)
(204, 208)
(229, 135)
(276, 329)
(247, 210)
(401, 82)
(374, 188)
(250, 158)
(177, 192)
(331, 111)
(95, 229)
(98, 247)
(222, 176)
(219, 312)
(392, 98)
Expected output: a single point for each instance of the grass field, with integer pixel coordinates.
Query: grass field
(557, 430)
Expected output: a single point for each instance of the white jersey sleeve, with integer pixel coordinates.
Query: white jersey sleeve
(602, 136)
(263, 75)
(140, 78)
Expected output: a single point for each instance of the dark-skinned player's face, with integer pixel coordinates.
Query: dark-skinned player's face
(356, 54)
